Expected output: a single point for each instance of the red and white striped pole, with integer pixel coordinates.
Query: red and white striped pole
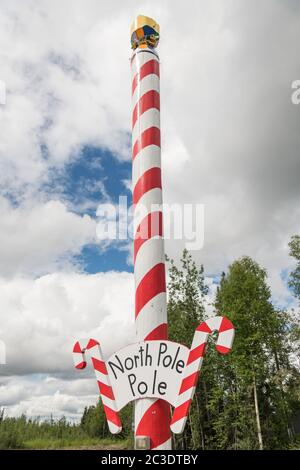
(152, 416)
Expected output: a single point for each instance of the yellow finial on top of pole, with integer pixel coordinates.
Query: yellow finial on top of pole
(144, 32)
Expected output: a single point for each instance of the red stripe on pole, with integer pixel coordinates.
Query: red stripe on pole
(150, 136)
(152, 66)
(188, 382)
(151, 226)
(149, 180)
(112, 415)
(195, 353)
(161, 332)
(147, 101)
(106, 390)
(181, 411)
(152, 423)
(152, 283)
(99, 365)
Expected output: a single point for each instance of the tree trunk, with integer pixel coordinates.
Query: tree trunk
(206, 402)
(199, 420)
(284, 404)
(259, 435)
(192, 431)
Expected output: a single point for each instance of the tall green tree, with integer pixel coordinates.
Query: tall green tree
(294, 282)
(187, 291)
(260, 357)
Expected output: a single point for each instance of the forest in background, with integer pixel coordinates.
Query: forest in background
(249, 399)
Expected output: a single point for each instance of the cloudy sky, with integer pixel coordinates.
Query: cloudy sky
(230, 136)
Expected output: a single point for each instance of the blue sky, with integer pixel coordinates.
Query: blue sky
(80, 183)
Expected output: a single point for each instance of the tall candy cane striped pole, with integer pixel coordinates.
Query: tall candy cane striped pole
(194, 363)
(107, 395)
(152, 416)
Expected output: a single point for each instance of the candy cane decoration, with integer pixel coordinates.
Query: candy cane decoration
(194, 363)
(105, 389)
(152, 416)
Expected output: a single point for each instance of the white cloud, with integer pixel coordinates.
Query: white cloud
(46, 396)
(40, 237)
(41, 319)
(226, 97)
(62, 87)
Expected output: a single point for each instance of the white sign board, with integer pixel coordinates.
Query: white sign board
(152, 369)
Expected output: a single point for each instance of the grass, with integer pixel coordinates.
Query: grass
(42, 443)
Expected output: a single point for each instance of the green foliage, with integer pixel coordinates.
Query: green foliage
(186, 293)
(294, 282)
(15, 432)
(10, 440)
(94, 423)
(260, 360)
